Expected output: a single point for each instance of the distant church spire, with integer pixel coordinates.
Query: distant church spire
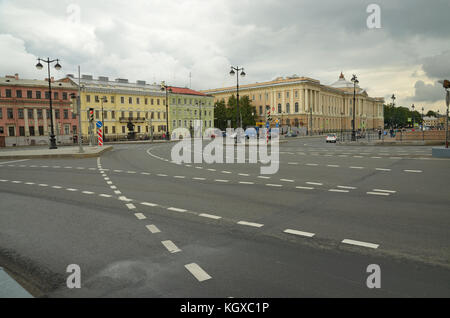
(342, 76)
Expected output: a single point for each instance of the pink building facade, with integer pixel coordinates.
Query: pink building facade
(25, 112)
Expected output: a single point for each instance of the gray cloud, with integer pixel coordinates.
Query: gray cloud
(167, 40)
(428, 92)
(437, 66)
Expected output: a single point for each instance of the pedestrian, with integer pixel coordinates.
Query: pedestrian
(379, 134)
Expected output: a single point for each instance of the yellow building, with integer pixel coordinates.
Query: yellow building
(305, 102)
(122, 102)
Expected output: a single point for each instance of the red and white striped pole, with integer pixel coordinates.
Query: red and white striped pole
(100, 137)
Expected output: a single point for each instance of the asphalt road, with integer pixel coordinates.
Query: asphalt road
(139, 225)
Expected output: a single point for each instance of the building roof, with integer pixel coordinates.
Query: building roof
(343, 83)
(14, 80)
(186, 91)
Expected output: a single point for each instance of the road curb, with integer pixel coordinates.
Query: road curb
(9, 288)
(58, 156)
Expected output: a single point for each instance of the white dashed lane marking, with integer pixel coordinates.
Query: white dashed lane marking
(299, 233)
(359, 243)
(197, 272)
(149, 204)
(171, 247)
(210, 216)
(250, 224)
(140, 216)
(131, 206)
(153, 229)
(413, 171)
(177, 210)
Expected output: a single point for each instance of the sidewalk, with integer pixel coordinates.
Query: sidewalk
(9, 288)
(62, 152)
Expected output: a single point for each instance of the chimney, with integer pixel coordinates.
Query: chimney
(16, 76)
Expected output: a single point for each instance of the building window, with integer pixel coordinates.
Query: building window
(130, 114)
(64, 96)
(41, 130)
(57, 113)
(2, 130)
(137, 100)
(8, 94)
(122, 114)
(296, 94)
(47, 95)
(55, 95)
(21, 131)
(130, 100)
(38, 95)
(158, 101)
(11, 131)
(20, 113)
(88, 98)
(288, 108)
(105, 114)
(29, 94)
(32, 132)
(66, 114)
(296, 107)
(146, 101)
(97, 114)
(74, 129)
(97, 99)
(113, 129)
(287, 94)
(106, 130)
(66, 129)
(1, 113)
(39, 114)
(30, 113)
(10, 113)
(113, 114)
(123, 129)
(19, 94)
(151, 101)
(279, 108)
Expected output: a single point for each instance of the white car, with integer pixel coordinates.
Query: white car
(331, 138)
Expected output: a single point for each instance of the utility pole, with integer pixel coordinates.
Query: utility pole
(80, 136)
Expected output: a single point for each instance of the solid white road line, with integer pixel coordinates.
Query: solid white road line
(378, 193)
(153, 229)
(250, 224)
(1, 163)
(300, 233)
(171, 247)
(210, 216)
(197, 272)
(387, 191)
(131, 206)
(358, 243)
(177, 210)
(140, 216)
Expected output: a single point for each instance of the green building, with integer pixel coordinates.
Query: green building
(189, 108)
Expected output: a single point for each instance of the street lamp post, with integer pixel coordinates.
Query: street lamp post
(199, 104)
(103, 100)
(423, 128)
(446, 85)
(39, 66)
(413, 115)
(355, 82)
(168, 90)
(232, 73)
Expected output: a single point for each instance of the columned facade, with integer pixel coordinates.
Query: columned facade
(306, 103)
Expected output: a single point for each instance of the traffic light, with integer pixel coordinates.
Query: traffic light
(91, 114)
(269, 116)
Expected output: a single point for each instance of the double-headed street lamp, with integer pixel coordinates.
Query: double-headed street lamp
(413, 115)
(232, 73)
(355, 82)
(39, 66)
(168, 90)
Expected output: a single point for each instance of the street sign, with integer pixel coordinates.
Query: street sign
(99, 124)
(267, 125)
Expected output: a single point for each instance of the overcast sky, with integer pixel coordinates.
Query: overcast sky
(156, 40)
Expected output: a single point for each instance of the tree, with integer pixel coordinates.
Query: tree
(431, 114)
(229, 112)
(397, 117)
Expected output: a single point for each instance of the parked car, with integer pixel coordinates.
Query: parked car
(332, 138)
(291, 134)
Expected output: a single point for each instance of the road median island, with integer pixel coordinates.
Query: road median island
(60, 153)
